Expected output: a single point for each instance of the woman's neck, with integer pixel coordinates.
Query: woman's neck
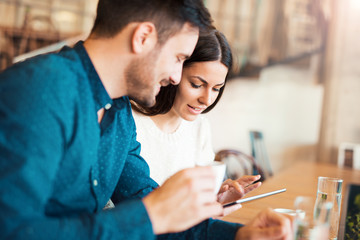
(168, 122)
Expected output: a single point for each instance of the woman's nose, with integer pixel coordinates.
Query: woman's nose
(206, 98)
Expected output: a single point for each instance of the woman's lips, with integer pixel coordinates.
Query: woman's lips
(195, 110)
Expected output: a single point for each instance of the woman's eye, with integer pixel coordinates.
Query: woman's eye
(195, 86)
(216, 89)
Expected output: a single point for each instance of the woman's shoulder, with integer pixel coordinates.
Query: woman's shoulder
(136, 114)
(139, 117)
(144, 125)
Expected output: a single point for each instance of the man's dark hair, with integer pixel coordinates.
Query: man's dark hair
(212, 46)
(168, 16)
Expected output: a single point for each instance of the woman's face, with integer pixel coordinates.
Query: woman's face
(198, 89)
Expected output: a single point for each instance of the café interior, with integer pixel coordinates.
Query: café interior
(290, 106)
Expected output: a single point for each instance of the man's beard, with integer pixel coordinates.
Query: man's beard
(140, 79)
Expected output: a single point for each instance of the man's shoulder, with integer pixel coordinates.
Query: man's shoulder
(52, 76)
(63, 62)
(47, 65)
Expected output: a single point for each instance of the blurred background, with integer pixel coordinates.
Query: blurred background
(295, 78)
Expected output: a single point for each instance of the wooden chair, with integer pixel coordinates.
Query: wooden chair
(259, 153)
(238, 164)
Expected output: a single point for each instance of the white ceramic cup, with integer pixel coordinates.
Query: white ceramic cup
(219, 168)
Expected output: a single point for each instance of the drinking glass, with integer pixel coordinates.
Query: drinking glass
(307, 226)
(329, 191)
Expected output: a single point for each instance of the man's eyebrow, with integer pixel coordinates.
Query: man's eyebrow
(205, 82)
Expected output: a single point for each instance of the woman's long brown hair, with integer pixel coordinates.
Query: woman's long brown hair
(210, 47)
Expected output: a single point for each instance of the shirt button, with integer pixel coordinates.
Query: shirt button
(107, 106)
(95, 182)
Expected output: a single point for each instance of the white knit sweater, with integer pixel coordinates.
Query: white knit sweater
(167, 153)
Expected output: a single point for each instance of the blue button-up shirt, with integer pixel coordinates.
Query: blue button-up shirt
(59, 166)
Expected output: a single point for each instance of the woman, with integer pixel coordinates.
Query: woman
(172, 133)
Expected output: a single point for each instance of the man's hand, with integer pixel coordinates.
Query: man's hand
(184, 200)
(232, 190)
(267, 225)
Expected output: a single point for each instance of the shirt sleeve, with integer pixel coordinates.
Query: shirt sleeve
(136, 172)
(28, 171)
(135, 181)
(210, 229)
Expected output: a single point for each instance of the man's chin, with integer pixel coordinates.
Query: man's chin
(145, 102)
(150, 103)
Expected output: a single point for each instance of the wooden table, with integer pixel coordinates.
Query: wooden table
(299, 180)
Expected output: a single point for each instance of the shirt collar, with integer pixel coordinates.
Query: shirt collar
(100, 94)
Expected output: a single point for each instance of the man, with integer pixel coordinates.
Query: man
(68, 140)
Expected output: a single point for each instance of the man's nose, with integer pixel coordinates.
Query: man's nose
(176, 76)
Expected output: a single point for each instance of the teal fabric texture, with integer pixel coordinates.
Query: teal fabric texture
(59, 167)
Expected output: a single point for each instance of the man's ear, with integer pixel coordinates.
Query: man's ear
(144, 37)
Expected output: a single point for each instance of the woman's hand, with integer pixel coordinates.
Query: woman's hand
(232, 190)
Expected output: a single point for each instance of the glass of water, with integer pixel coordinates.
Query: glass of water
(306, 225)
(329, 191)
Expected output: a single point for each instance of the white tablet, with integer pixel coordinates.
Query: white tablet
(255, 197)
